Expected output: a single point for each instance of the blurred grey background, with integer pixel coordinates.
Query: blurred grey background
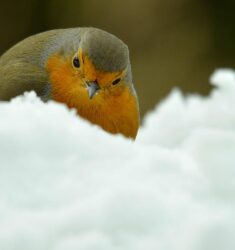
(172, 43)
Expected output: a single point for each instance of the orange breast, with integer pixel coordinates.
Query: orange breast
(115, 110)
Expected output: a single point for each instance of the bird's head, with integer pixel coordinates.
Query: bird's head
(91, 72)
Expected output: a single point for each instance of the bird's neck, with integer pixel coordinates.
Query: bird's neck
(115, 114)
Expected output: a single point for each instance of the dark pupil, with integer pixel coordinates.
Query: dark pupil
(76, 62)
(116, 81)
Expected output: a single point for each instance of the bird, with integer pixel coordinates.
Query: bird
(86, 68)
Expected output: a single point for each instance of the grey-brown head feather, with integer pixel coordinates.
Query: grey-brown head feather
(106, 51)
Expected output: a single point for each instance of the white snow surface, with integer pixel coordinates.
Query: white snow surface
(67, 185)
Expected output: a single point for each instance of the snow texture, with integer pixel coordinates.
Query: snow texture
(67, 185)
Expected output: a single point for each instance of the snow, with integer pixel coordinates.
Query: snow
(67, 185)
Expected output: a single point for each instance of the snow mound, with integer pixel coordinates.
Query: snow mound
(67, 185)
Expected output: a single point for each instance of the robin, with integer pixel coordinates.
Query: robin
(86, 68)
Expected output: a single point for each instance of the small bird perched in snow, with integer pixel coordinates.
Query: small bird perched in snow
(86, 68)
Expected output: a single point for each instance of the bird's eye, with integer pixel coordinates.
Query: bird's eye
(116, 81)
(76, 62)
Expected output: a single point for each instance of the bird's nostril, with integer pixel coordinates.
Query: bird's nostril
(89, 83)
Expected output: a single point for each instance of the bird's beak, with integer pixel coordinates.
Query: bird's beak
(92, 88)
